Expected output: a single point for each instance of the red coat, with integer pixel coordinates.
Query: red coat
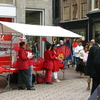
(48, 60)
(22, 59)
(55, 61)
(30, 61)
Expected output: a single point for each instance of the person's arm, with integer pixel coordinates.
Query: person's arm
(52, 56)
(89, 63)
(85, 57)
(23, 55)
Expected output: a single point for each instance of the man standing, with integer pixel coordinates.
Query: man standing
(23, 67)
(93, 64)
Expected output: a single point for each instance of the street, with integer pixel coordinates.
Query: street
(72, 88)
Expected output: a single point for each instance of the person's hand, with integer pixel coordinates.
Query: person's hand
(30, 57)
(56, 57)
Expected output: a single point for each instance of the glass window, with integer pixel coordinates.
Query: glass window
(83, 8)
(96, 30)
(34, 18)
(66, 11)
(96, 3)
(74, 10)
(6, 1)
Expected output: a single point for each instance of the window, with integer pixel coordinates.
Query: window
(94, 4)
(7, 1)
(74, 10)
(83, 8)
(34, 17)
(66, 11)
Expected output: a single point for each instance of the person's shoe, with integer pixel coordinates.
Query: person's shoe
(88, 88)
(49, 83)
(57, 80)
(21, 88)
(30, 89)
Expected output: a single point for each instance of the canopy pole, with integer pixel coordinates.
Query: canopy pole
(8, 81)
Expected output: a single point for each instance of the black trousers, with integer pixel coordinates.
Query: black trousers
(95, 83)
(24, 77)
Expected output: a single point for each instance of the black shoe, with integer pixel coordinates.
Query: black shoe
(49, 83)
(30, 89)
(21, 88)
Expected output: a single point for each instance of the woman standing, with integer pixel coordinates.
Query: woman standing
(23, 67)
(85, 61)
(30, 61)
(55, 62)
(81, 65)
(48, 64)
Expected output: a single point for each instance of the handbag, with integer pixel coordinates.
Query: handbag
(40, 78)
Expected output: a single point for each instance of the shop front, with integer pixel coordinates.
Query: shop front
(78, 26)
(94, 24)
(7, 14)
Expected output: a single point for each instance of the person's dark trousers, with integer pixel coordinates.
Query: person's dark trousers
(24, 77)
(95, 83)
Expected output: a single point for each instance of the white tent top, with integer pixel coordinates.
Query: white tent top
(36, 30)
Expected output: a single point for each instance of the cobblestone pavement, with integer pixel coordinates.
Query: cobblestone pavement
(73, 88)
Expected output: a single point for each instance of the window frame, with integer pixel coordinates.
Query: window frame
(93, 6)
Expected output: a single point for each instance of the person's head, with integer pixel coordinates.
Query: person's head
(22, 44)
(61, 41)
(48, 46)
(80, 43)
(86, 48)
(98, 39)
(27, 46)
(54, 47)
(93, 41)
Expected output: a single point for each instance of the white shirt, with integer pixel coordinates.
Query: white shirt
(76, 51)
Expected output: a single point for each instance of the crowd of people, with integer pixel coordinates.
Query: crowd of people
(25, 65)
(85, 60)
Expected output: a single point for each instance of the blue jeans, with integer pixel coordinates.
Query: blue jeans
(30, 71)
(65, 63)
(74, 60)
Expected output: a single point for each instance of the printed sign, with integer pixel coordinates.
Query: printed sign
(6, 48)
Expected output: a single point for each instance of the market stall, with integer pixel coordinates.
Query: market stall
(31, 30)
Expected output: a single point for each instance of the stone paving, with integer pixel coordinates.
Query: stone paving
(69, 89)
(74, 89)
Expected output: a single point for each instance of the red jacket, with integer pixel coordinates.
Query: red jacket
(22, 59)
(30, 61)
(55, 61)
(48, 57)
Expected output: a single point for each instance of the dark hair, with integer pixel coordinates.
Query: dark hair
(53, 46)
(48, 46)
(22, 43)
(98, 39)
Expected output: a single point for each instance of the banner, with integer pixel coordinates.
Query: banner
(6, 48)
(64, 51)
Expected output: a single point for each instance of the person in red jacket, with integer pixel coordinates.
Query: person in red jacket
(48, 64)
(23, 67)
(55, 62)
(30, 61)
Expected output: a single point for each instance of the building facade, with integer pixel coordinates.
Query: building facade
(78, 16)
